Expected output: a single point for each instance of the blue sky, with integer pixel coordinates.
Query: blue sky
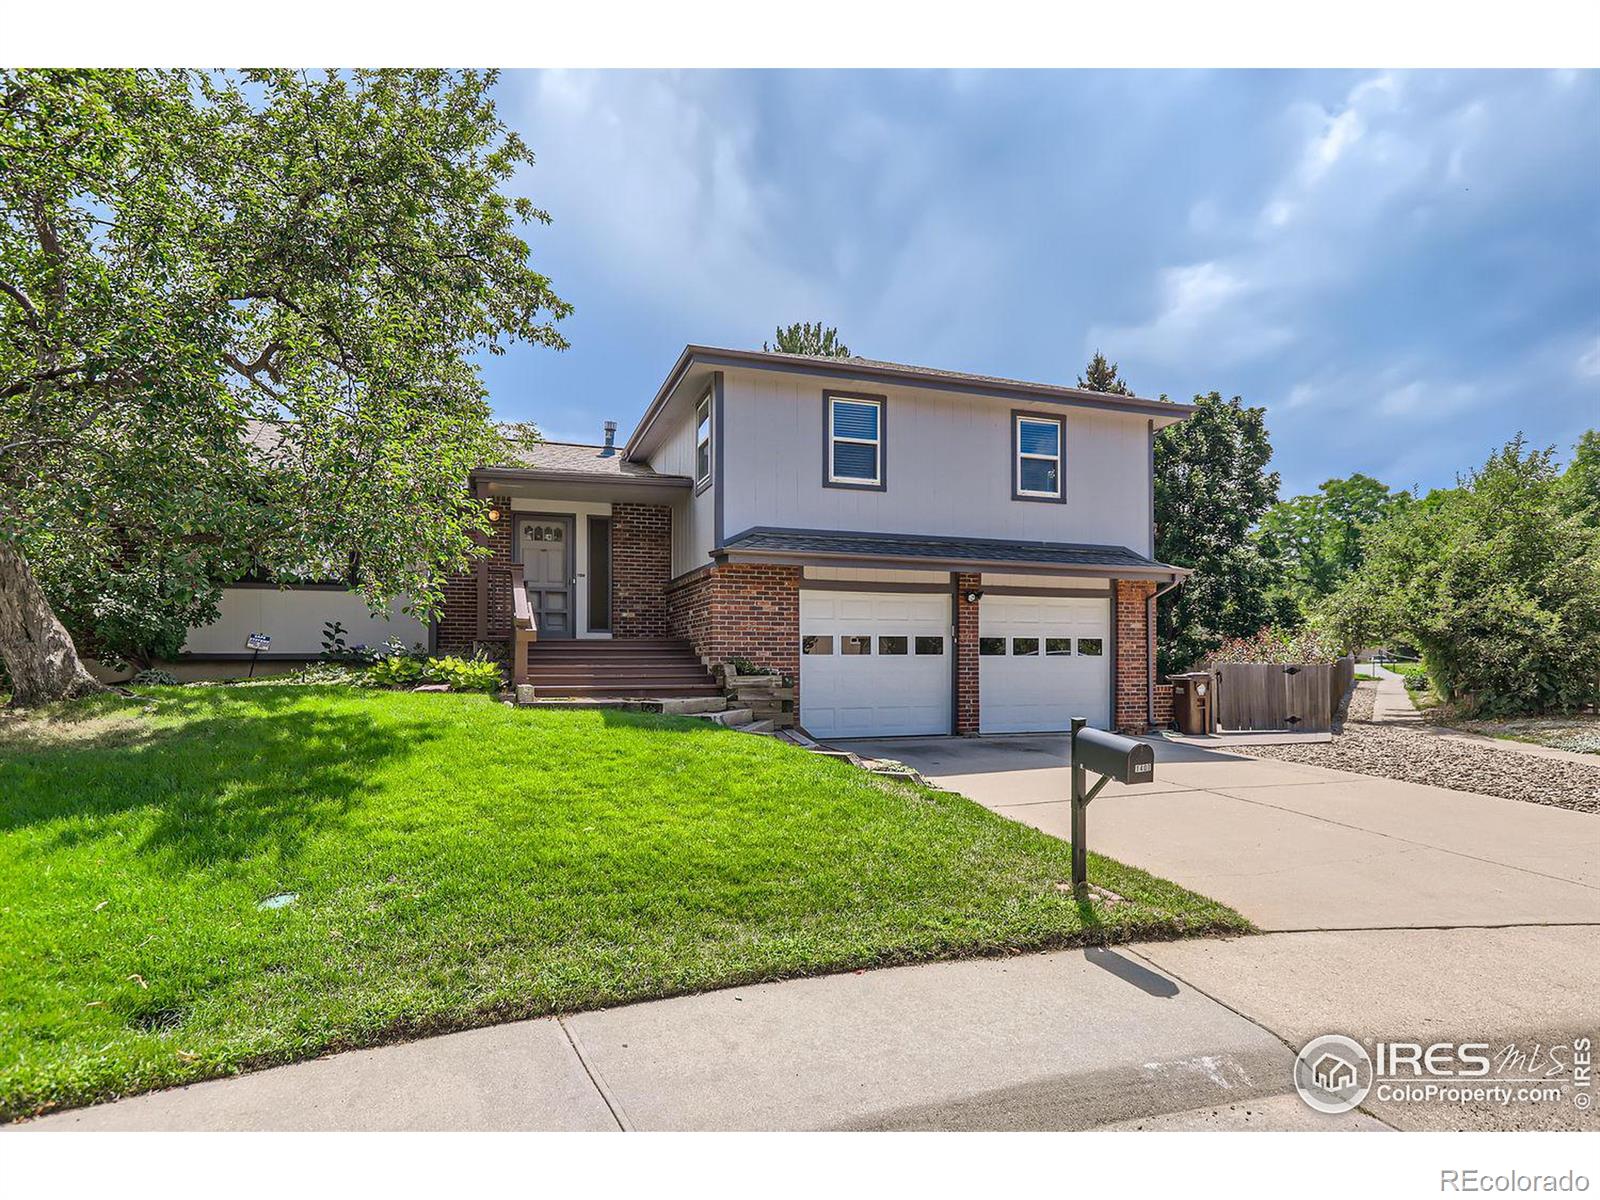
(1403, 268)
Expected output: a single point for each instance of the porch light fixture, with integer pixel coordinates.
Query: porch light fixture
(494, 515)
(974, 597)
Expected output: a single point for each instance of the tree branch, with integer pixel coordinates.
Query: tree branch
(25, 303)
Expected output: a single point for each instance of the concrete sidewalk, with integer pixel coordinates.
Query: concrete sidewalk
(1067, 1040)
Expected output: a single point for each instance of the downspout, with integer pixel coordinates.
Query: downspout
(1150, 630)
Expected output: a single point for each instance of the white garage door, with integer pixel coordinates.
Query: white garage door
(874, 664)
(1043, 660)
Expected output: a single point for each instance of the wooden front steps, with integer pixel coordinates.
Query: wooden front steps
(612, 669)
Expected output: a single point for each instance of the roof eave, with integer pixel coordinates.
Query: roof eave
(846, 368)
(537, 475)
(1154, 571)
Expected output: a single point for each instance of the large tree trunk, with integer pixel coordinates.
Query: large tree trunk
(38, 651)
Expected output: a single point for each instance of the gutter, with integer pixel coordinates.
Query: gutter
(1175, 575)
(535, 475)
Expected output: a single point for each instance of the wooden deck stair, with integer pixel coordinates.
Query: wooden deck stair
(613, 669)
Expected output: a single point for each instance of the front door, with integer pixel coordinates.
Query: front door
(543, 545)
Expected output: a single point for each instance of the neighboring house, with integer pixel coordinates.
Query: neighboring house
(925, 551)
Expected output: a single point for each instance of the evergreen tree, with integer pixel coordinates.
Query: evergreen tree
(808, 338)
(1101, 376)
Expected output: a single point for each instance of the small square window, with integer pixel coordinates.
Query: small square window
(930, 645)
(816, 643)
(1091, 647)
(1058, 645)
(1024, 646)
(991, 645)
(855, 645)
(891, 645)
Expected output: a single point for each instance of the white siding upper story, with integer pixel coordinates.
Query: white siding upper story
(948, 467)
(693, 517)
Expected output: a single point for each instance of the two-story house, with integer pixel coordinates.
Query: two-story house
(925, 551)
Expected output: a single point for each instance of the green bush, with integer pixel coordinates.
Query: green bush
(1496, 581)
(461, 674)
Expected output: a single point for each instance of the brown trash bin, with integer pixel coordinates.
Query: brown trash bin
(1193, 701)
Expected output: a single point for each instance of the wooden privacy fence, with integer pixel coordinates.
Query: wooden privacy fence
(1299, 698)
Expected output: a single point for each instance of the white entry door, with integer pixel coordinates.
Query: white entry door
(1043, 660)
(874, 664)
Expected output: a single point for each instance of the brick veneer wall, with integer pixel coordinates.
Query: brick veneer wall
(641, 565)
(968, 700)
(1133, 654)
(458, 618)
(1164, 704)
(740, 610)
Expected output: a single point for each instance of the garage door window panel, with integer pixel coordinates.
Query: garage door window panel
(891, 645)
(991, 645)
(855, 644)
(1028, 646)
(1091, 647)
(816, 644)
(1058, 646)
(930, 645)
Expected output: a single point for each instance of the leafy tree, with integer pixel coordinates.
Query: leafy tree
(1580, 484)
(1314, 542)
(813, 339)
(1212, 486)
(1497, 581)
(236, 320)
(1101, 376)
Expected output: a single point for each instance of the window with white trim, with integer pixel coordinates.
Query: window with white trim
(855, 441)
(702, 440)
(1038, 466)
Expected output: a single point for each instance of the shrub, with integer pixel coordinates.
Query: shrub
(1495, 581)
(154, 677)
(1273, 645)
(461, 674)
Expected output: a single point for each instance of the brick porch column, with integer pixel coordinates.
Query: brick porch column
(968, 701)
(641, 565)
(1135, 671)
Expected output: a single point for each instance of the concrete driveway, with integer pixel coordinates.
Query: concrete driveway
(1295, 847)
(1391, 911)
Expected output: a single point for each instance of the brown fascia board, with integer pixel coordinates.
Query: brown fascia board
(843, 558)
(844, 368)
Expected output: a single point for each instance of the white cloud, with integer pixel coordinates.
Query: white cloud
(659, 191)
(1589, 361)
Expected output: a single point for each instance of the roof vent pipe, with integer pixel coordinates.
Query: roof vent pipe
(611, 438)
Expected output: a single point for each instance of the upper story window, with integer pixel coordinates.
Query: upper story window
(1037, 444)
(854, 436)
(702, 441)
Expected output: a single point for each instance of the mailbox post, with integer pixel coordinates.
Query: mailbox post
(1109, 756)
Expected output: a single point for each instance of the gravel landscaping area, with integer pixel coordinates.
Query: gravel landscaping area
(1419, 756)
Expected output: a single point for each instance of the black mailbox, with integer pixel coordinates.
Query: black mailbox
(1110, 754)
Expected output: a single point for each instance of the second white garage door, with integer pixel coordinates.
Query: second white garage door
(1043, 660)
(874, 664)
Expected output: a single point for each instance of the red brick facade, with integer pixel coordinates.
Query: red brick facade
(641, 565)
(740, 610)
(968, 701)
(1131, 607)
(457, 628)
(1164, 710)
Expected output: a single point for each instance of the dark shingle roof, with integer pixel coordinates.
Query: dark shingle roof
(997, 551)
(574, 458)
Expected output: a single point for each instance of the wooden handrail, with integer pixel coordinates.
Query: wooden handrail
(524, 627)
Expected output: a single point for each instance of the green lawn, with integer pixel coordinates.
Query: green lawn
(459, 862)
